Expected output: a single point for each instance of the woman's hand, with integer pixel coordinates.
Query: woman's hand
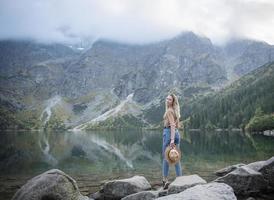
(172, 145)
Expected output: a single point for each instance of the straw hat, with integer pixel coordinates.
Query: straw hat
(173, 155)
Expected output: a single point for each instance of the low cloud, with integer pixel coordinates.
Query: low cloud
(135, 21)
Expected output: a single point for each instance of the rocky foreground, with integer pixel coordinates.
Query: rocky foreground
(251, 181)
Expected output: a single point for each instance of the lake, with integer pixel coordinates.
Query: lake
(96, 156)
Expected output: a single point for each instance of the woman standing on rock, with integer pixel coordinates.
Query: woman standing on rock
(171, 135)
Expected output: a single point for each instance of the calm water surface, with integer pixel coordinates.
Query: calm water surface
(92, 157)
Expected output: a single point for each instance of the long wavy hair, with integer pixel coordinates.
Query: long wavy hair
(175, 106)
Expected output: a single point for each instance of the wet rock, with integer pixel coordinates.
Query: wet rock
(118, 189)
(183, 182)
(53, 184)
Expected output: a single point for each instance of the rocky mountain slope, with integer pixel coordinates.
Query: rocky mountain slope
(98, 81)
(236, 104)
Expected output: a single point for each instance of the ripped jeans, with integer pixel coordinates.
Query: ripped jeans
(166, 142)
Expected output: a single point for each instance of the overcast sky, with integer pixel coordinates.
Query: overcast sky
(136, 21)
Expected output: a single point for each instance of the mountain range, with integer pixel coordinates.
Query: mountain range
(116, 85)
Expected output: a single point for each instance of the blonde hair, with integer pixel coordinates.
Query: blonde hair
(175, 106)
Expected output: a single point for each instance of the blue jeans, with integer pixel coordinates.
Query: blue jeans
(166, 142)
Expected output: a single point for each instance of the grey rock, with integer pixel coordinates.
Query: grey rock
(183, 182)
(145, 195)
(267, 170)
(163, 193)
(252, 55)
(52, 184)
(250, 198)
(97, 195)
(118, 189)
(244, 181)
(256, 166)
(210, 191)
(228, 169)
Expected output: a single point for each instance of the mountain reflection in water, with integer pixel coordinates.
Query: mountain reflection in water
(127, 151)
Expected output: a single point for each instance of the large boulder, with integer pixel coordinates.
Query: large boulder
(266, 168)
(144, 195)
(244, 181)
(117, 189)
(183, 182)
(53, 184)
(209, 191)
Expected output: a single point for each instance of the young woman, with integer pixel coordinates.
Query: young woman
(171, 135)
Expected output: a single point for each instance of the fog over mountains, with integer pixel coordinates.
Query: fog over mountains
(112, 79)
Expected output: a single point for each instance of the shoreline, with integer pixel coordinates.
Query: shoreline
(243, 180)
(87, 183)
